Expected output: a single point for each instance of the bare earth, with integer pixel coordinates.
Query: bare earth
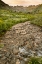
(22, 35)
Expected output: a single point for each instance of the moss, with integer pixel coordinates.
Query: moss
(1, 45)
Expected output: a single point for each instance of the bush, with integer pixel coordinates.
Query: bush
(35, 60)
(9, 18)
(37, 21)
(2, 26)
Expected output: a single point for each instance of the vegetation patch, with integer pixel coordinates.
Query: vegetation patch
(35, 60)
(1, 45)
(9, 18)
(37, 20)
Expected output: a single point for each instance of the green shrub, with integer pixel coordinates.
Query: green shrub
(9, 18)
(35, 60)
(2, 26)
(30, 17)
(37, 21)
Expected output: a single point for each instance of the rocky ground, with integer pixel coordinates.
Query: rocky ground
(21, 42)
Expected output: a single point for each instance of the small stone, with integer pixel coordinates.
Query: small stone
(12, 41)
(15, 51)
(4, 58)
(0, 55)
(9, 36)
(35, 45)
(23, 32)
(17, 62)
(7, 54)
(17, 31)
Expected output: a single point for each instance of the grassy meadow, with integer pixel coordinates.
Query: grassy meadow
(9, 18)
(35, 60)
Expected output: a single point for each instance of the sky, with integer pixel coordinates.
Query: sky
(23, 2)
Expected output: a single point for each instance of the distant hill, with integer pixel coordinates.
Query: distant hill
(18, 8)
(38, 9)
(23, 9)
(29, 9)
(3, 5)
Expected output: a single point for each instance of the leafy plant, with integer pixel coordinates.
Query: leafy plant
(35, 60)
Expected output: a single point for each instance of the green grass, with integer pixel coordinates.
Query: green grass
(9, 18)
(38, 20)
(35, 60)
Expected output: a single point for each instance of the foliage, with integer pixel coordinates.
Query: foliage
(38, 20)
(1, 45)
(9, 18)
(35, 60)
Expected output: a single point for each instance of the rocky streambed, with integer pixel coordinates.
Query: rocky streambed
(21, 42)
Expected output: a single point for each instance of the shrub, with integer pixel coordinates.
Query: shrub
(37, 21)
(35, 60)
(2, 26)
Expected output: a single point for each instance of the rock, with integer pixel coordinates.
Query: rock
(23, 52)
(0, 55)
(23, 32)
(22, 41)
(22, 62)
(17, 62)
(8, 36)
(15, 51)
(6, 57)
(35, 45)
(7, 54)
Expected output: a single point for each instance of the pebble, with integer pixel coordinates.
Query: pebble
(23, 35)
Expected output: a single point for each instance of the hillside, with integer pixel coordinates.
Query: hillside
(21, 43)
(29, 9)
(38, 9)
(3, 5)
